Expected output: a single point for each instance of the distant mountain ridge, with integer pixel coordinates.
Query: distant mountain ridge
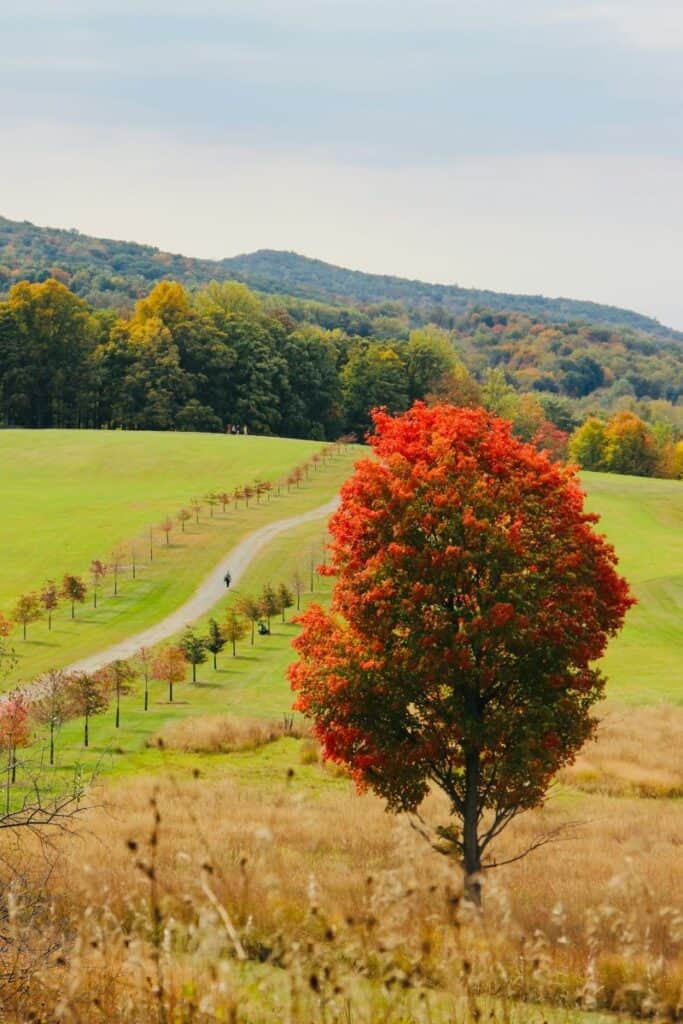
(113, 274)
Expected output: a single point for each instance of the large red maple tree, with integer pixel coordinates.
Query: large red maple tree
(472, 600)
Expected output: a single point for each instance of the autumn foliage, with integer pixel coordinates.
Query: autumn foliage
(472, 599)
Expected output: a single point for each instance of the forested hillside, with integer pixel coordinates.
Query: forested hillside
(222, 357)
(113, 274)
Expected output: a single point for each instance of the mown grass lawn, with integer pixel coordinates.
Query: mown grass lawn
(643, 518)
(254, 683)
(74, 496)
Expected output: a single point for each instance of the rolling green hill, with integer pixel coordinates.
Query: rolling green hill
(112, 274)
(74, 496)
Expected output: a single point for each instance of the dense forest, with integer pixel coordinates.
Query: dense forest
(222, 357)
(113, 275)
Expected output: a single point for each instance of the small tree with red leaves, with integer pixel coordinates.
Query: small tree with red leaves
(473, 598)
(98, 570)
(183, 517)
(27, 609)
(49, 600)
(166, 528)
(15, 732)
(118, 678)
(88, 695)
(73, 589)
(170, 666)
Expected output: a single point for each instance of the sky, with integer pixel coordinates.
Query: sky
(521, 145)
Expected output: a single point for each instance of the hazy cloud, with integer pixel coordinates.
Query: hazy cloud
(532, 146)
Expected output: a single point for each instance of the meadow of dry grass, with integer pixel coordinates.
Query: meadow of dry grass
(223, 734)
(637, 752)
(203, 900)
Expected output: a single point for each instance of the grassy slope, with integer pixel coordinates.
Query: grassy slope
(254, 684)
(97, 489)
(644, 520)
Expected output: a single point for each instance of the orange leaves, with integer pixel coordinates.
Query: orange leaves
(471, 599)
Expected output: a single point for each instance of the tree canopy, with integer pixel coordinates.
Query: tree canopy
(472, 599)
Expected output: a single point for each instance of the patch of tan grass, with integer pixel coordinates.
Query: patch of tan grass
(191, 900)
(222, 734)
(637, 752)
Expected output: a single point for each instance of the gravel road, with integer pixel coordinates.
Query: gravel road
(209, 592)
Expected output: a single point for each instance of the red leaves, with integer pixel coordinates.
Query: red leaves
(472, 597)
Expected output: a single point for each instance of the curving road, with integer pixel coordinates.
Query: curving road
(208, 593)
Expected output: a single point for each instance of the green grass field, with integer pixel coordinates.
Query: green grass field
(73, 496)
(254, 683)
(643, 518)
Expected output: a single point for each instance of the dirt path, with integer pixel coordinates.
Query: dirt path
(209, 592)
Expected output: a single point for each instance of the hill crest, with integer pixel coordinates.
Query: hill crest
(111, 273)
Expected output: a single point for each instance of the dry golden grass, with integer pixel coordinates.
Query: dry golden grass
(191, 900)
(637, 752)
(222, 734)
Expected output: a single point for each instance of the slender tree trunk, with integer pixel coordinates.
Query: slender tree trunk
(49, 622)
(94, 597)
(471, 852)
(116, 583)
(14, 764)
(151, 546)
(52, 741)
(24, 629)
(132, 563)
(118, 706)
(86, 736)
(146, 693)
(252, 632)
(170, 691)
(234, 648)
(194, 671)
(9, 780)
(73, 609)
(214, 661)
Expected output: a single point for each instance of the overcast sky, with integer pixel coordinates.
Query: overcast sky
(521, 145)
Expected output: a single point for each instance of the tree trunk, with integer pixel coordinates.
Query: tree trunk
(14, 764)
(24, 629)
(9, 780)
(471, 861)
(234, 649)
(252, 632)
(85, 741)
(118, 707)
(49, 622)
(170, 691)
(194, 671)
(52, 742)
(146, 695)
(214, 661)
(94, 597)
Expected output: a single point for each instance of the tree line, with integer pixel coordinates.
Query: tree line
(73, 589)
(63, 695)
(204, 361)
(224, 359)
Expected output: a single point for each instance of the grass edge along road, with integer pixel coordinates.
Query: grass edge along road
(166, 582)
